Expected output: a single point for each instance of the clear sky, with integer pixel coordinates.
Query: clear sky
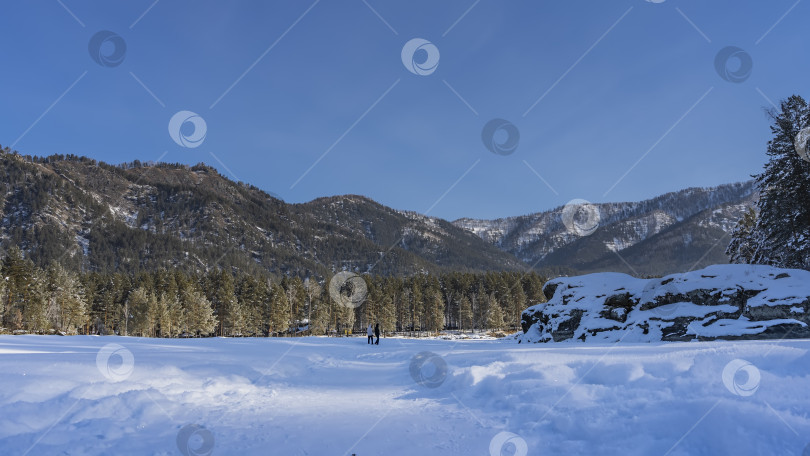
(612, 100)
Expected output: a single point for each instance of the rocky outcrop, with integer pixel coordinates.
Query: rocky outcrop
(719, 302)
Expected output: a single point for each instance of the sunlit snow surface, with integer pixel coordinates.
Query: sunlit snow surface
(330, 396)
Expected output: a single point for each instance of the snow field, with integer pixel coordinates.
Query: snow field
(324, 396)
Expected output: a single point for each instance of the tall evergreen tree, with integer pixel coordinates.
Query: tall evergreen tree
(144, 310)
(199, 315)
(516, 304)
(465, 314)
(434, 312)
(66, 306)
(744, 240)
(170, 315)
(494, 313)
(278, 321)
(18, 273)
(781, 234)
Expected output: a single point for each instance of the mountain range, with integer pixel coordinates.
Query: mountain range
(134, 217)
(675, 232)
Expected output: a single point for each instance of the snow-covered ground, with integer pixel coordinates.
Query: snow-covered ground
(330, 396)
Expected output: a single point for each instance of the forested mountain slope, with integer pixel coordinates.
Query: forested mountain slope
(93, 216)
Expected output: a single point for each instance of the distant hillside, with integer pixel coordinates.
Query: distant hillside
(675, 232)
(92, 216)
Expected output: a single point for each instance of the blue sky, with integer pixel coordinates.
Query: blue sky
(630, 103)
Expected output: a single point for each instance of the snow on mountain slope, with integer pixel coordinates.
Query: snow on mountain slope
(136, 216)
(722, 301)
(339, 396)
(536, 237)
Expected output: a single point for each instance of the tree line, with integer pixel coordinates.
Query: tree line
(173, 303)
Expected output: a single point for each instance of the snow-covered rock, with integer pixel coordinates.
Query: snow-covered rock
(729, 301)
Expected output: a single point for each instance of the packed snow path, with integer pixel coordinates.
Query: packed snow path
(335, 396)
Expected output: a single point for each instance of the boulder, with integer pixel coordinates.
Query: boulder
(728, 301)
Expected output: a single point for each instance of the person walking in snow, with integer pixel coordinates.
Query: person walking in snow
(377, 333)
(370, 333)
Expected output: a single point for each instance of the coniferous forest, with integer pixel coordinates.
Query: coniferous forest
(172, 303)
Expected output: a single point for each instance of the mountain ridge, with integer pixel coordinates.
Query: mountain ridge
(543, 239)
(137, 216)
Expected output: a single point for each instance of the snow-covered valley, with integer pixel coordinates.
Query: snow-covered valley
(333, 396)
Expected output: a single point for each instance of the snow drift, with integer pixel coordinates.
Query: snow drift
(339, 396)
(729, 301)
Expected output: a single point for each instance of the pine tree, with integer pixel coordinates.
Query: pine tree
(313, 292)
(743, 239)
(278, 320)
(321, 317)
(295, 296)
(170, 316)
(417, 304)
(143, 307)
(494, 313)
(18, 273)
(199, 315)
(64, 297)
(434, 312)
(517, 304)
(388, 320)
(222, 294)
(35, 309)
(781, 234)
(253, 300)
(465, 314)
